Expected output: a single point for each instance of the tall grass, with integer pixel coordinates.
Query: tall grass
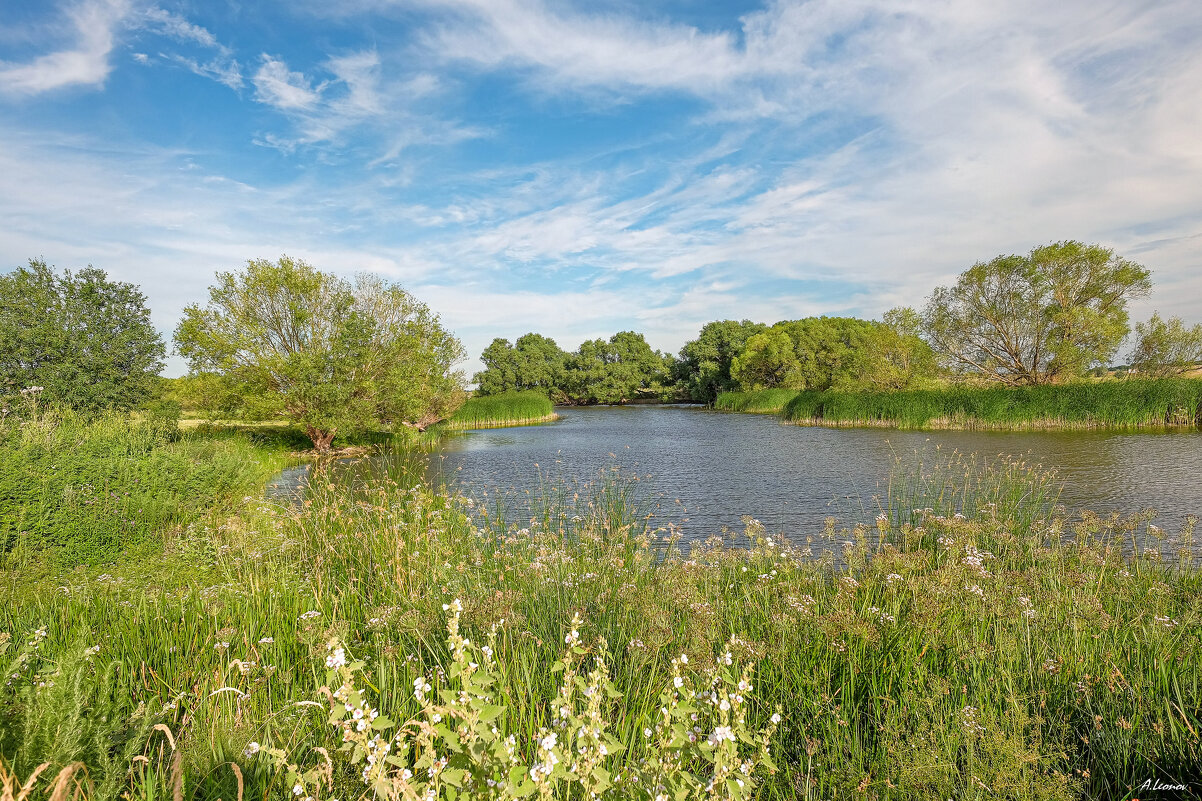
(764, 401)
(985, 648)
(88, 489)
(1103, 404)
(506, 409)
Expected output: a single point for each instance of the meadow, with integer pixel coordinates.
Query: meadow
(1131, 403)
(969, 642)
(504, 409)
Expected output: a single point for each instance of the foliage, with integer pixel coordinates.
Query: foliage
(508, 408)
(90, 489)
(324, 353)
(86, 340)
(1035, 319)
(621, 369)
(462, 741)
(703, 369)
(1101, 404)
(970, 636)
(768, 360)
(1166, 347)
(533, 362)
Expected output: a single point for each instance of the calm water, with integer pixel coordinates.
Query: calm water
(720, 467)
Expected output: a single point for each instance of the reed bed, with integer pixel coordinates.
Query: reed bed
(764, 401)
(982, 646)
(507, 409)
(1133, 403)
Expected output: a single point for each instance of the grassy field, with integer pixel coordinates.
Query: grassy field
(506, 409)
(1101, 404)
(969, 643)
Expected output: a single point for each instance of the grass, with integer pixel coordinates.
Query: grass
(506, 409)
(764, 401)
(987, 647)
(90, 489)
(1133, 403)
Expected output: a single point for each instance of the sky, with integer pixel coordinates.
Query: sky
(578, 169)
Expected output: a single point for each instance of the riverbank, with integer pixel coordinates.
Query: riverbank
(972, 639)
(1128, 404)
(500, 411)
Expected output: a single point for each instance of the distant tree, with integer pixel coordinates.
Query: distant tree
(831, 351)
(533, 362)
(1035, 319)
(767, 361)
(896, 357)
(1166, 347)
(703, 368)
(500, 369)
(327, 354)
(624, 368)
(86, 340)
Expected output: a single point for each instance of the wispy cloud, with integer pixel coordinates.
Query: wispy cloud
(278, 86)
(85, 62)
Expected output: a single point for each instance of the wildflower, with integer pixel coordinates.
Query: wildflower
(684, 659)
(975, 589)
(572, 638)
(549, 742)
(298, 789)
(677, 682)
(721, 733)
(312, 613)
(893, 577)
(266, 640)
(252, 748)
(775, 718)
(221, 646)
(420, 688)
(456, 605)
(336, 659)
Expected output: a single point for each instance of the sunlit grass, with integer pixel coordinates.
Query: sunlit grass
(507, 409)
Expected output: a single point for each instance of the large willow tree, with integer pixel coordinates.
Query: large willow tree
(1035, 319)
(291, 342)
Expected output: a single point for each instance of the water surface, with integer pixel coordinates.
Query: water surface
(708, 469)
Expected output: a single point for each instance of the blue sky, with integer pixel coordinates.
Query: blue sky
(579, 169)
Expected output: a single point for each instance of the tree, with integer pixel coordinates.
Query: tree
(622, 369)
(1166, 347)
(325, 353)
(533, 362)
(703, 369)
(1035, 319)
(896, 357)
(768, 360)
(86, 340)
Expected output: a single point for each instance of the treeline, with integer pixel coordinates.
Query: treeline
(1047, 317)
(813, 353)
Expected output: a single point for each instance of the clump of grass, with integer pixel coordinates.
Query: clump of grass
(1101, 404)
(506, 409)
(764, 401)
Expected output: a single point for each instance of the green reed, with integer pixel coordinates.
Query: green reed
(764, 401)
(986, 647)
(509, 408)
(1094, 404)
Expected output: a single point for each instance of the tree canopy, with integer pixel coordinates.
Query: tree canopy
(85, 340)
(330, 355)
(1166, 347)
(1035, 319)
(703, 368)
(533, 362)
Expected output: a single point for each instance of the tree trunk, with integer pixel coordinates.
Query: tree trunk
(321, 439)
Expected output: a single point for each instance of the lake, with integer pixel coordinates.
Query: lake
(707, 469)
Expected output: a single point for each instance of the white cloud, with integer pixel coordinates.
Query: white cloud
(282, 88)
(84, 63)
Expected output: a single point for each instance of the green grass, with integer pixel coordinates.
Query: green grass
(506, 409)
(85, 490)
(764, 401)
(1131, 403)
(985, 643)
